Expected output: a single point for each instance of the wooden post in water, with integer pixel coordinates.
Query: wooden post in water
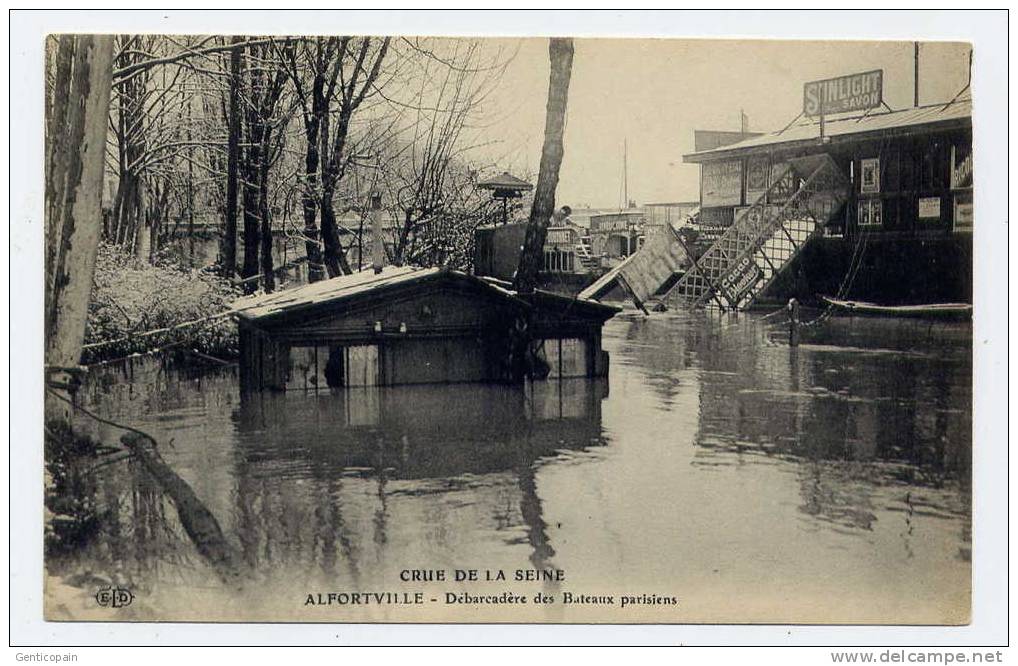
(793, 322)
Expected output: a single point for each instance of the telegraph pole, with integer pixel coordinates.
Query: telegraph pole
(915, 59)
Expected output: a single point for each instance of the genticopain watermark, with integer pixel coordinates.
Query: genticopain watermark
(42, 656)
(897, 656)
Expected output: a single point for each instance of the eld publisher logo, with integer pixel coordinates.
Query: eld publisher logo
(113, 597)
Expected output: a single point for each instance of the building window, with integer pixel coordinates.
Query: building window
(929, 209)
(870, 213)
(361, 365)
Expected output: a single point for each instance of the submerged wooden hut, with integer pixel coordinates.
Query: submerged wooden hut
(409, 325)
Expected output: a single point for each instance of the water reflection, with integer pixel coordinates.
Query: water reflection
(720, 463)
(416, 432)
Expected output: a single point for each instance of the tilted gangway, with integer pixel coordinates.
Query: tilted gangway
(766, 237)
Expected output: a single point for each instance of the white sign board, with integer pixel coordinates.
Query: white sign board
(929, 207)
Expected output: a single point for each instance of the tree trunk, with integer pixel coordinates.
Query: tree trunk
(143, 239)
(74, 210)
(310, 198)
(130, 202)
(228, 249)
(335, 257)
(251, 214)
(252, 176)
(561, 54)
(56, 138)
(268, 278)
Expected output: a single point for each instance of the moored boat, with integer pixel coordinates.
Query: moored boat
(928, 310)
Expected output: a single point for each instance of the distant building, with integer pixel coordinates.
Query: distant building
(497, 250)
(616, 235)
(566, 251)
(907, 217)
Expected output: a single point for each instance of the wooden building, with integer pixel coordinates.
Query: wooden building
(409, 325)
(908, 210)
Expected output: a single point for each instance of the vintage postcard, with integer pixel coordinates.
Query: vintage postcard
(395, 329)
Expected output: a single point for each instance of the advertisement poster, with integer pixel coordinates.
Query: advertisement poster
(869, 182)
(758, 171)
(855, 92)
(721, 183)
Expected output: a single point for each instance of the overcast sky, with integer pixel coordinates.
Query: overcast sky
(654, 93)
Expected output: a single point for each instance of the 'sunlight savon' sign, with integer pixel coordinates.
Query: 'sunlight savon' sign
(853, 92)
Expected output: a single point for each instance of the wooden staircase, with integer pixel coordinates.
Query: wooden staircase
(765, 238)
(587, 260)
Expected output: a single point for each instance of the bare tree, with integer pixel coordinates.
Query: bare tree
(364, 58)
(78, 110)
(151, 136)
(426, 174)
(560, 52)
(228, 251)
(332, 77)
(265, 81)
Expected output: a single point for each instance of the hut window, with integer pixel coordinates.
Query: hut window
(304, 373)
(332, 366)
(362, 365)
(566, 357)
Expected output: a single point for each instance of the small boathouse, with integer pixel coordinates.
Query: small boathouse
(407, 325)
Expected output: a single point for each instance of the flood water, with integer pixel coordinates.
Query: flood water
(717, 469)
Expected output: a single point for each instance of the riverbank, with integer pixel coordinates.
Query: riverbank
(130, 298)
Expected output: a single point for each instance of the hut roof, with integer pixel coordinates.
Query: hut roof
(367, 282)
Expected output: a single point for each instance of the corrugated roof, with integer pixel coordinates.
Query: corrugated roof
(809, 130)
